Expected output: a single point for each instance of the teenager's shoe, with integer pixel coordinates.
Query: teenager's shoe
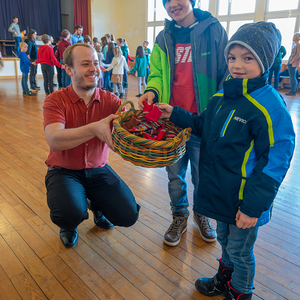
(216, 285)
(68, 237)
(54, 84)
(206, 230)
(232, 294)
(121, 96)
(177, 228)
(290, 93)
(37, 87)
(33, 89)
(101, 221)
(31, 94)
(111, 90)
(139, 95)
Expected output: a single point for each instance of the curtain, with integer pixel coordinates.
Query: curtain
(81, 15)
(42, 15)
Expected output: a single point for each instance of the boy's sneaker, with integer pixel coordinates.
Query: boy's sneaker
(37, 87)
(33, 89)
(206, 230)
(121, 96)
(31, 94)
(232, 294)
(177, 228)
(111, 90)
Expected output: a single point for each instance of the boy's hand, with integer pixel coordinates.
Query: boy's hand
(63, 67)
(147, 97)
(34, 63)
(166, 110)
(244, 221)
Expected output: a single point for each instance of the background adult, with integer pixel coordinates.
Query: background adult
(77, 35)
(14, 28)
(276, 67)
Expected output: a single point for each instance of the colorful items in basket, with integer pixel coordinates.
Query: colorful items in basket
(148, 125)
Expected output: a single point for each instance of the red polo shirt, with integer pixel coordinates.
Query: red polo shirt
(66, 107)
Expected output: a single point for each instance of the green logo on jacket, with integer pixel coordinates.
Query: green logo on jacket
(206, 53)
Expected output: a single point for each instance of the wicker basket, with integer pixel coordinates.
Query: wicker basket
(145, 152)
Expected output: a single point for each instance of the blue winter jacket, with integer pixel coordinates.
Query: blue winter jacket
(24, 62)
(246, 148)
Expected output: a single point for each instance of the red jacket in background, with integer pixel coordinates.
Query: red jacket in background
(46, 56)
(62, 46)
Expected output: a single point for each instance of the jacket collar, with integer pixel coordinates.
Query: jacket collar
(235, 88)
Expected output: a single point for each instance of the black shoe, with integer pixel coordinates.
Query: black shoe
(232, 294)
(139, 95)
(68, 237)
(31, 94)
(290, 93)
(216, 285)
(37, 87)
(54, 84)
(33, 89)
(121, 96)
(111, 90)
(101, 221)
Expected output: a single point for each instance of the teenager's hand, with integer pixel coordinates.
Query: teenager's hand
(101, 129)
(63, 67)
(147, 97)
(166, 110)
(244, 221)
(34, 63)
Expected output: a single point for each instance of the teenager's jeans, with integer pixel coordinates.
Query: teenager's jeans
(68, 190)
(18, 40)
(237, 253)
(65, 79)
(32, 75)
(25, 83)
(292, 73)
(276, 70)
(48, 73)
(177, 173)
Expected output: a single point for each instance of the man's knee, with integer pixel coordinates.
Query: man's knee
(69, 220)
(128, 218)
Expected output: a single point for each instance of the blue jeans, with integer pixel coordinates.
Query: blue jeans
(177, 185)
(293, 79)
(65, 79)
(237, 253)
(32, 76)
(68, 190)
(25, 83)
(18, 40)
(107, 84)
(276, 70)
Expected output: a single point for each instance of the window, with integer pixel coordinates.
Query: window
(239, 7)
(277, 5)
(161, 13)
(223, 7)
(235, 25)
(204, 4)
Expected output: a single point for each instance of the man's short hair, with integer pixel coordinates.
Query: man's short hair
(15, 17)
(23, 44)
(68, 53)
(46, 38)
(78, 26)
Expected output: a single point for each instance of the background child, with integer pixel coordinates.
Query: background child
(100, 58)
(87, 39)
(247, 145)
(62, 46)
(32, 52)
(24, 66)
(118, 65)
(106, 63)
(140, 66)
(147, 53)
(104, 42)
(125, 52)
(187, 67)
(276, 67)
(47, 60)
(95, 42)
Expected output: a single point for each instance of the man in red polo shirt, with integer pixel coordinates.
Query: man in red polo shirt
(78, 125)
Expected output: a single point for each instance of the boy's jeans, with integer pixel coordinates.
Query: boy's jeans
(18, 40)
(25, 83)
(177, 172)
(292, 73)
(237, 253)
(48, 73)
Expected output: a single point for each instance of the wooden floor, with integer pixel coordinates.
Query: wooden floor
(121, 263)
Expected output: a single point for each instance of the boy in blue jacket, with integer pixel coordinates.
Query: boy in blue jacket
(247, 145)
(24, 66)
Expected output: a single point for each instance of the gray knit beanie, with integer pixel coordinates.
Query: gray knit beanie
(192, 1)
(262, 39)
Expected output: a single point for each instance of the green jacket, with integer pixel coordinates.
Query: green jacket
(208, 41)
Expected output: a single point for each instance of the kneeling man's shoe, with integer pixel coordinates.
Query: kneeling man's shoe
(68, 237)
(101, 221)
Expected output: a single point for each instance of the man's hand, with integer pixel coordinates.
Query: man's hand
(244, 221)
(147, 97)
(101, 129)
(166, 110)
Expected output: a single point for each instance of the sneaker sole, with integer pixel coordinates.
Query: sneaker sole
(175, 243)
(202, 236)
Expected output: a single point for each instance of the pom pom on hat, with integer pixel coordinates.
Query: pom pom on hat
(262, 39)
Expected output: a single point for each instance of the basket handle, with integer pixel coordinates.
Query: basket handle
(124, 103)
